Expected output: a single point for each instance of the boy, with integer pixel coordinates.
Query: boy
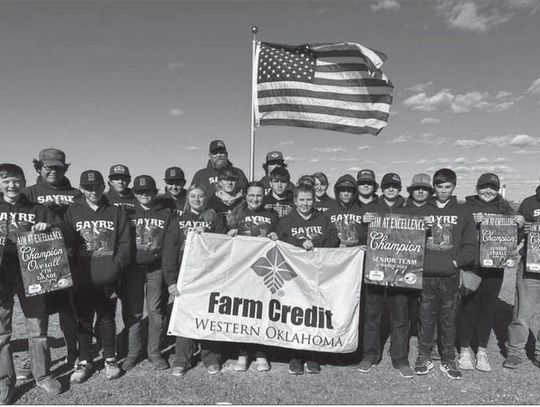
(102, 251)
(367, 187)
(280, 199)
(17, 213)
(451, 245)
(376, 296)
(274, 159)
(175, 193)
(149, 223)
(119, 193)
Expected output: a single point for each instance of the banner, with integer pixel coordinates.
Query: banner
(44, 263)
(255, 290)
(533, 249)
(498, 240)
(395, 254)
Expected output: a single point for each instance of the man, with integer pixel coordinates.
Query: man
(274, 159)
(451, 246)
(218, 159)
(367, 186)
(119, 193)
(527, 294)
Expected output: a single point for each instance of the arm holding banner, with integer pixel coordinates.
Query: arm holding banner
(171, 257)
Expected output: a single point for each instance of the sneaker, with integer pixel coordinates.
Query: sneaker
(241, 364)
(296, 367)
(130, 362)
(83, 370)
(112, 371)
(365, 366)
(262, 365)
(482, 362)
(6, 393)
(159, 363)
(451, 370)
(313, 367)
(179, 371)
(50, 385)
(214, 368)
(512, 362)
(405, 371)
(422, 365)
(25, 372)
(466, 360)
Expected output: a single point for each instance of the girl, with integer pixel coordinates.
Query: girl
(252, 219)
(322, 201)
(199, 218)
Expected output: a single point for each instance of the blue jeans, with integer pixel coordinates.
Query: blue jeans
(526, 302)
(36, 319)
(156, 306)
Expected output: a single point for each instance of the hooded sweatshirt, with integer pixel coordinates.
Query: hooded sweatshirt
(282, 206)
(453, 238)
(530, 210)
(175, 204)
(149, 227)
(175, 237)
(324, 203)
(56, 197)
(260, 222)
(223, 204)
(347, 217)
(380, 207)
(103, 245)
(127, 202)
(208, 178)
(20, 217)
(294, 229)
(265, 181)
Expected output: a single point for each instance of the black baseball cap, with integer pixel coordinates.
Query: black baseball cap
(91, 178)
(391, 179)
(174, 174)
(144, 183)
(119, 170)
(217, 146)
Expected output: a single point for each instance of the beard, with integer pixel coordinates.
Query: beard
(220, 163)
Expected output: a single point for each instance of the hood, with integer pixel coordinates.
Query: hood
(349, 181)
(64, 185)
(538, 192)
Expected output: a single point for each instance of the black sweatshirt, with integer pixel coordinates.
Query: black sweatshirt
(294, 229)
(56, 197)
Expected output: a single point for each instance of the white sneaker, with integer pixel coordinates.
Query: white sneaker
(466, 360)
(262, 364)
(482, 362)
(241, 364)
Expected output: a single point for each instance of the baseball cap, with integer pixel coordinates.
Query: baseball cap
(144, 183)
(119, 169)
(91, 177)
(389, 179)
(346, 181)
(52, 157)
(174, 173)
(217, 146)
(488, 179)
(274, 156)
(420, 181)
(365, 176)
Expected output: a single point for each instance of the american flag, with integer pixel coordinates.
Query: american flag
(325, 86)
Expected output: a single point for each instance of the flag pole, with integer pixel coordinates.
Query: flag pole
(254, 30)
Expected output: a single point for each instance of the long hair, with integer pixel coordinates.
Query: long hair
(207, 215)
(237, 214)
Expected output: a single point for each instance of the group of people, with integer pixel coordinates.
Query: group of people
(127, 243)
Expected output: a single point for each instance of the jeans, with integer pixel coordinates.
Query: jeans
(90, 301)
(438, 308)
(526, 302)
(398, 305)
(476, 316)
(156, 304)
(36, 320)
(210, 352)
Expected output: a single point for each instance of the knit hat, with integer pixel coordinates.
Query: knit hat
(488, 179)
(91, 178)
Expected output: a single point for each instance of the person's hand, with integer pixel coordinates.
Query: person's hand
(198, 229)
(478, 217)
(368, 217)
(272, 236)
(40, 227)
(233, 232)
(308, 245)
(520, 220)
(527, 227)
(173, 290)
(429, 221)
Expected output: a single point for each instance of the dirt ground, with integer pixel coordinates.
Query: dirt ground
(338, 382)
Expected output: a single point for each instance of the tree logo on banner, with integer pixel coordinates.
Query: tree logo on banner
(274, 270)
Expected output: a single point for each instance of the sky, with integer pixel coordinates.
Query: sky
(150, 83)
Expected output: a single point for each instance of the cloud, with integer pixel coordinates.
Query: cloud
(177, 112)
(499, 169)
(534, 89)
(400, 139)
(329, 149)
(526, 152)
(192, 148)
(429, 120)
(385, 5)
(286, 143)
(363, 147)
(481, 16)
(314, 160)
(498, 160)
(518, 140)
(429, 138)
(421, 87)
(344, 159)
(175, 66)
(445, 100)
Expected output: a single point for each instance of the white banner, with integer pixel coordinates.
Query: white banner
(254, 290)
